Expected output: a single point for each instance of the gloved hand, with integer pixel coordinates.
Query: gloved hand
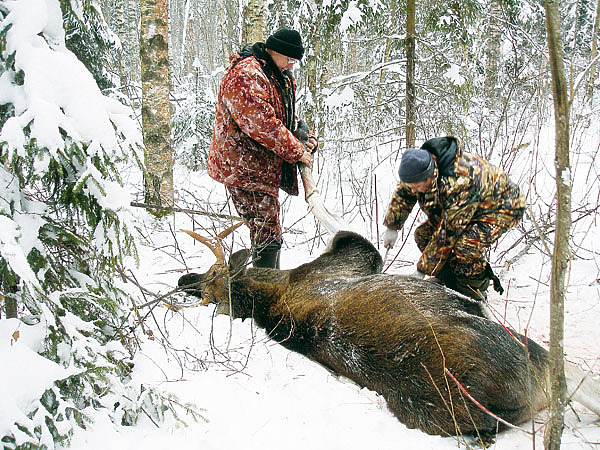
(389, 237)
(304, 135)
(302, 132)
(419, 274)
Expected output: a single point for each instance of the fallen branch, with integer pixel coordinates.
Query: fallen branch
(184, 210)
(200, 212)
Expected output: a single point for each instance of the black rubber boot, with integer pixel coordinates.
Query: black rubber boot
(475, 287)
(446, 277)
(267, 255)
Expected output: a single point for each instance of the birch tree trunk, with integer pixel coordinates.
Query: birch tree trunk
(590, 88)
(311, 115)
(189, 48)
(118, 15)
(410, 73)
(316, 72)
(386, 51)
(154, 56)
(561, 254)
(226, 49)
(253, 27)
(130, 48)
(493, 34)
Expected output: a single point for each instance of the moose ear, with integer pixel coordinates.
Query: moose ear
(238, 261)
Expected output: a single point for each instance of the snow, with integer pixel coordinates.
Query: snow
(453, 74)
(13, 253)
(344, 98)
(351, 16)
(53, 75)
(26, 374)
(251, 392)
(256, 394)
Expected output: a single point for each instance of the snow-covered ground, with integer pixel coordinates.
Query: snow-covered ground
(252, 393)
(255, 394)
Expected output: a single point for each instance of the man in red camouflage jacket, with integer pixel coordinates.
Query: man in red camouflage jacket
(253, 150)
(469, 204)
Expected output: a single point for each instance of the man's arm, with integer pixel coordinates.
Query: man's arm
(401, 204)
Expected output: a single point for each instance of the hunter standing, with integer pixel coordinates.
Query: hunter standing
(253, 151)
(469, 204)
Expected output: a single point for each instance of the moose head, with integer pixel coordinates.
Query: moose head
(439, 362)
(213, 286)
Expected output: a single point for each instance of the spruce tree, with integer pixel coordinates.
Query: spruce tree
(66, 229)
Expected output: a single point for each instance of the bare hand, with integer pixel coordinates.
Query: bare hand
(306, 158)
(312, 143)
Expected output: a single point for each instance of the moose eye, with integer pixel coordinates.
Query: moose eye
(214, 274)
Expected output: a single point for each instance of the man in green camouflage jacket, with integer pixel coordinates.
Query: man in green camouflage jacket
(469, 204)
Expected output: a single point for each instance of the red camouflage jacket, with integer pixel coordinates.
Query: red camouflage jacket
(250, 142)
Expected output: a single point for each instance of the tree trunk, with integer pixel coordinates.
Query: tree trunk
(316, 71)
(386, 53)
(253, 27)
(154, 56)
(189, 48)
(8, 286)
(130, 48)
(311, 112)
(118, 14)
(410, 73)
(226, 49)
(493, 34)
(590, 88)
(561, 254)
(11, 307)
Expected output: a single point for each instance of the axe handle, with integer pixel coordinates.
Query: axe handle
(331, 221)
(310, 186)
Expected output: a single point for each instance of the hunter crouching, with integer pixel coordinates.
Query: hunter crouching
(469, 204)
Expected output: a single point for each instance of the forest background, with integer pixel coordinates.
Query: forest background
(79, 288)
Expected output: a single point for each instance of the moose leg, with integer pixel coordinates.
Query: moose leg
(582, 388)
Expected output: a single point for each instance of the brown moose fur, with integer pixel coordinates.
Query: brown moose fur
(393, 334)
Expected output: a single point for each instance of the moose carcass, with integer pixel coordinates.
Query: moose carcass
(431, 353)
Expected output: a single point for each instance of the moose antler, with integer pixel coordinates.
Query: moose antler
(215, 244)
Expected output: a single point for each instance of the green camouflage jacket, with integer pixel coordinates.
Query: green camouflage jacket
(468, 189)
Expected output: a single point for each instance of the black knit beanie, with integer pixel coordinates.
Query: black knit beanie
(287, 42)
(416, 165)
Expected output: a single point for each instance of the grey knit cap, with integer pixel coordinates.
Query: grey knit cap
(417, 165)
